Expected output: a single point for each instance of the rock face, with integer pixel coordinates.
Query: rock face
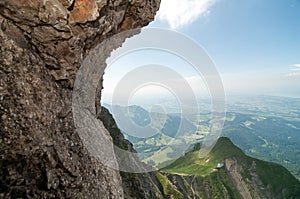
(234, 170)
(135, 185)
(43, 43)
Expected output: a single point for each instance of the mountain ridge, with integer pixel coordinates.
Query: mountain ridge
(273, 138)
(241, 177)
(252, 178)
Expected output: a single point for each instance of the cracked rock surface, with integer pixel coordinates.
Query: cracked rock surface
(43, 43)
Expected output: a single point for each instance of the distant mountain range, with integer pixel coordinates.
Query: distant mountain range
(133, 121)
(264, 127)
(142, 117)
(226, 172)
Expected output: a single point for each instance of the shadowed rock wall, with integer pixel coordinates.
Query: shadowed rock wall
(43, 43)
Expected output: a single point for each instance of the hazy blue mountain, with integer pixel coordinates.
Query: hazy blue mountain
(238, 176)
(265, 127)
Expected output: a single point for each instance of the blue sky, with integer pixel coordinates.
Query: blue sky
(255, 44)
(252, 34)
(258, 38)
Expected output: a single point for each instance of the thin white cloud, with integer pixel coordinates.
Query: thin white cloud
(180, 13)
(294, 74)
(296, 71)
(296, 65)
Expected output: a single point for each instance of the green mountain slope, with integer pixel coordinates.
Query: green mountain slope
(192, 177)
(191, 164)
(270, 138)
(241, 176)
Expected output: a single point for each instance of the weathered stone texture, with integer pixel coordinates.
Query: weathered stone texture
(43, 43)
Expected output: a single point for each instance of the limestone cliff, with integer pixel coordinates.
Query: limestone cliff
(135, 185)
(43, 44)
